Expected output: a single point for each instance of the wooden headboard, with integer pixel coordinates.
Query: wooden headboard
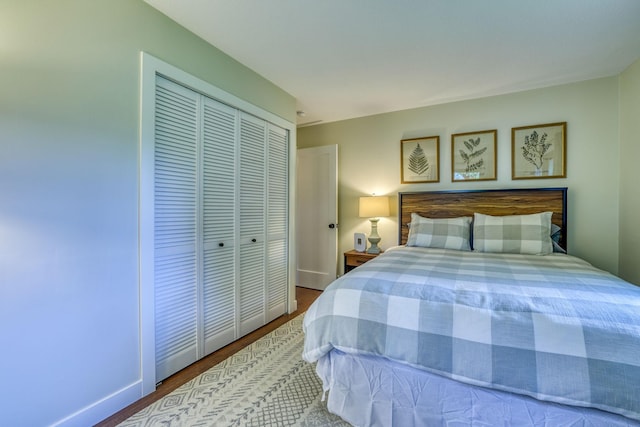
(451, 204)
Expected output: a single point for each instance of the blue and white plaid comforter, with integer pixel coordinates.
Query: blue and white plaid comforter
(552, 327)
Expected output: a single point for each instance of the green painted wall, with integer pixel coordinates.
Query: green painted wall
(369, 157)
(629, 173)
(69, 142)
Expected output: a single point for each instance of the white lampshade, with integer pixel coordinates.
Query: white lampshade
(374, 206)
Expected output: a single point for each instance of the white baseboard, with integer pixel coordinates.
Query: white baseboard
(103, 408)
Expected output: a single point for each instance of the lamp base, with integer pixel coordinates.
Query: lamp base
(374, 238)
(373, 249)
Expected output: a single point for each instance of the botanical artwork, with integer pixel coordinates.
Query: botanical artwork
(534, 149)
(538, 151)
(419, 160)
(473, 156)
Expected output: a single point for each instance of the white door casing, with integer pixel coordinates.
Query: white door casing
(317, 216)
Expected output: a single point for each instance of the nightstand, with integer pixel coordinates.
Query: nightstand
(353, 259)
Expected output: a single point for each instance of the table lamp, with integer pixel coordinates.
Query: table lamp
(373, 207)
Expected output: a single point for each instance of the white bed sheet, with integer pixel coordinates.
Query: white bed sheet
(372, 391)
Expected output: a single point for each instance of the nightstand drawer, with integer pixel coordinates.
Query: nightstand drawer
(356, 260)
(353, 259)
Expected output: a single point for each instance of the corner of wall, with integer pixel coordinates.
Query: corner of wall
(629, 203)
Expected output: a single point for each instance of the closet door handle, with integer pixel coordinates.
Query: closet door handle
(254, 240)
(221, 244)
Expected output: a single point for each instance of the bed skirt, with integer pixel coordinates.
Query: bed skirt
(372, 391)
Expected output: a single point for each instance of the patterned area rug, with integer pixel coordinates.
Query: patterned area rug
(264, 384)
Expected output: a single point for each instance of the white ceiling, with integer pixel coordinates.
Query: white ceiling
(350, 58)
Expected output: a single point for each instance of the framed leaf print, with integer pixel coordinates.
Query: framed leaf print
(473, 156)
(420, 160)
(539, 151)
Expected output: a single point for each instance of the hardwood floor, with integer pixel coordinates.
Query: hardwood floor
(304, 296)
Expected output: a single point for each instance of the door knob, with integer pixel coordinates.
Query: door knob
(332, 226)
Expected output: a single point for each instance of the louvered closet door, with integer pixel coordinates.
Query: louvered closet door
(220, 226)
(219, 212)
(175, 206)
(252, 223)
(277, 220)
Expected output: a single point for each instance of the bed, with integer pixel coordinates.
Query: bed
(472, 321)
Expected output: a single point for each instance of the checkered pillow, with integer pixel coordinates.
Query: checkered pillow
(516, 234)
(448, 233)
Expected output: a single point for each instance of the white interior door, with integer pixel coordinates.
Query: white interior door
(317, 216)
(253, 133)
(175, 220)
